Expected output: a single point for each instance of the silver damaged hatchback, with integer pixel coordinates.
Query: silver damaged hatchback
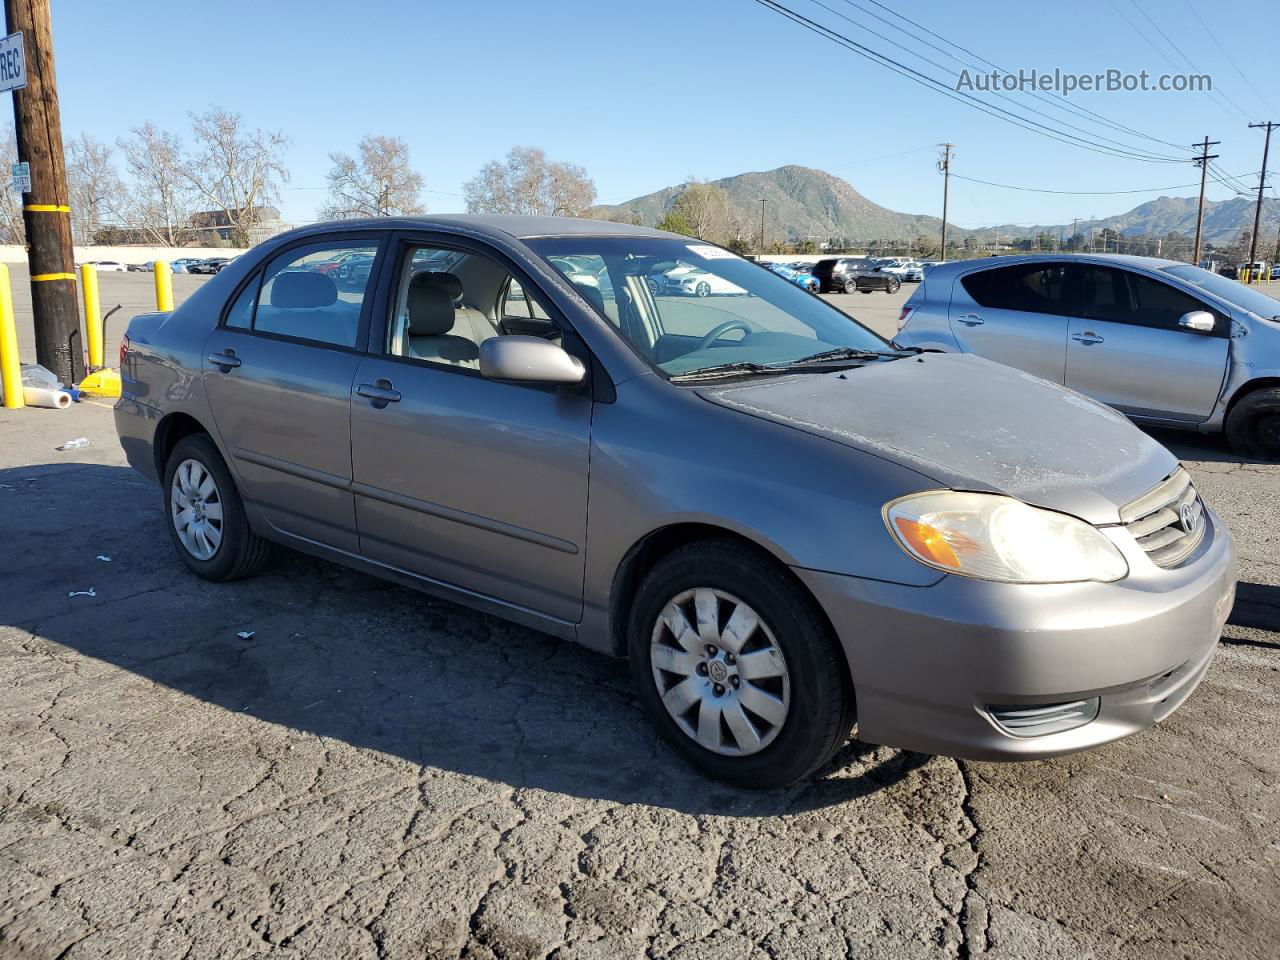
(786, 524)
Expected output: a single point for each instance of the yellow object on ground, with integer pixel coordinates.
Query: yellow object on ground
(164, 286)
(92, 314)
(10, 368)
(101, 383)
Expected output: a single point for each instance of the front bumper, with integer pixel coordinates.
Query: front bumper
(929, 664)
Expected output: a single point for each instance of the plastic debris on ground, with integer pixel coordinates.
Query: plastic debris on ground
(246, 634)
(91, 592)
(76, 444)
(104, 558)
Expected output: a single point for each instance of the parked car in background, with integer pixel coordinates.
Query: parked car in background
(902, 268)
(696, 282)
(108, 266)
(138, 267)
(800, 278)
(876, 275)
(1161, 341)
(958, 557)
(836, 274)
(209, 265)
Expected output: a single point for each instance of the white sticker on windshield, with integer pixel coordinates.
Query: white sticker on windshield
(708, 252)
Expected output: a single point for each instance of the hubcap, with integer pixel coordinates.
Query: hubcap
(195, 508)
(720, 672)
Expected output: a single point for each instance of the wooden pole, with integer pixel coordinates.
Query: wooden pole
(46, 210)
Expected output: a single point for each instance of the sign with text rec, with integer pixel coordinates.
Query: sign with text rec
(13, 63)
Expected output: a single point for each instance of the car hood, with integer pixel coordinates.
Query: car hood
(970, 424)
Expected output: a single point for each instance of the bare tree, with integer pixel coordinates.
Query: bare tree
(159, 204)
(12, 227)
(378, 183)
(94, 185)
(234, 171)
(527, 182)
(707, 210)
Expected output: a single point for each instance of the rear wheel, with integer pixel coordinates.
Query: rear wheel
(894, 285)
(737, 668)
(1253, 426)
(206, 517)
(850, 286)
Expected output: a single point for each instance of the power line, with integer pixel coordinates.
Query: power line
(1230, 59)
(937, 86)
(1060, 103)
(1074, 193)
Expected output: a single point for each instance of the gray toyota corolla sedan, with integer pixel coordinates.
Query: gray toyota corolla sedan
(784, 522)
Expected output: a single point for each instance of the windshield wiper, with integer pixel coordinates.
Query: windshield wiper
(725, 370)
(846, 353)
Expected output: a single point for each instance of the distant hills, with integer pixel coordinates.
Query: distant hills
(802, 202)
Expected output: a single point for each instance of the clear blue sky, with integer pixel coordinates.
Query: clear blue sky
(645, 94)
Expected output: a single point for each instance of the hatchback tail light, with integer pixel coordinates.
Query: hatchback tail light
(124, 349)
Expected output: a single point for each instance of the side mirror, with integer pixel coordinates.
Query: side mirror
(529, 360)
(1199, 320)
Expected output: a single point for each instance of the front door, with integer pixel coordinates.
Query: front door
(278, 371)
(1014, 315)
(470, 482)
(1127, 349)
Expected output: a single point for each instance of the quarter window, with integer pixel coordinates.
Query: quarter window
(311, 293)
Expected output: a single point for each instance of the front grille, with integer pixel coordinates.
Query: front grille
(1041, 720)
(1168, 520)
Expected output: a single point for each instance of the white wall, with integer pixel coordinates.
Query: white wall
(12, 253)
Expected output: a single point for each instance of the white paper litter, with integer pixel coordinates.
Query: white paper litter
(83, 593)
(246, 634)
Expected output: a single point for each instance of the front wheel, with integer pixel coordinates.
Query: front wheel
(737, 668)
(703, 289)
(206, 517)
(1253, 427)
(850, 286)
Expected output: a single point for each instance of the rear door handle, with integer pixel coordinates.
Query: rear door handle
(971, 320)
(225, 360)
(1088, 337)
(379, 394)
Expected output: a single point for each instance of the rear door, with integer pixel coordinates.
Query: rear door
(1127, 349)
(277, 372)
(1015, 315)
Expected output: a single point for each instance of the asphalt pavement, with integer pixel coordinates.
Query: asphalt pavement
(315, 763)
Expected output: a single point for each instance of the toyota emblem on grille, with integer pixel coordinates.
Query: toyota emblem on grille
(1189, 515)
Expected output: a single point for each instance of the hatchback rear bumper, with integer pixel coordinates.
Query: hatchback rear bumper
(991, 671)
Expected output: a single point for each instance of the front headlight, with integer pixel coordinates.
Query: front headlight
(993, 537)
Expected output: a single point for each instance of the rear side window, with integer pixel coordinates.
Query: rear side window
(312, 293)
(1030, 288)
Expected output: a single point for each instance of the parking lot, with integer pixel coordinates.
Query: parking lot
(314, 763)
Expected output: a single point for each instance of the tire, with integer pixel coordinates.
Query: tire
(894, 286)
(239, 552)
(814, 686)
(652, 284)
(850, 286)
(703, 289)
(1253, 426)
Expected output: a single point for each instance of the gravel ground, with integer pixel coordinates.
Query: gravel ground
(314, 763)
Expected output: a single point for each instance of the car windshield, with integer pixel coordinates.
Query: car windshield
(687, 306)
(1230, 290)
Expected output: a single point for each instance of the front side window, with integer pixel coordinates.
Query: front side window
(686, 306)
(449, 302)
(1029, 288)
(1121, 296)
(311, 293)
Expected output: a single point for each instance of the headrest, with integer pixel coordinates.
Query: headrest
(303, 289)
(592, 295)
(445, 281)
(430, 308)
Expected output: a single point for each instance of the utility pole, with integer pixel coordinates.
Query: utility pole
(944, 164)
(1262, 182)
(1075, 232)
(1202, 162)
(46, 210)
(763, 201)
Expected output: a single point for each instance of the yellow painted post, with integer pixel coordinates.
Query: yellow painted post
(92, 314)
(10, 368)
(164, 286)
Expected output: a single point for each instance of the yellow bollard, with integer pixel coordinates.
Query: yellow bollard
(164, 286)
(92, 314)
(10, 368)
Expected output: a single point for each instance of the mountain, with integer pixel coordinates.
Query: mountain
(803, 202)
(800, 202)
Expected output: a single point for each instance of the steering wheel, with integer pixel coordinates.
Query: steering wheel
(718, 331)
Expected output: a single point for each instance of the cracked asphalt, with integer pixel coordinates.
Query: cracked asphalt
(372, 773)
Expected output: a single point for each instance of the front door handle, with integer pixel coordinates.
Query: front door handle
(225, 360)
(971, 320)
(1088, 337)
(379, 393)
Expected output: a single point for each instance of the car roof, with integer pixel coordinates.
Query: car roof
(1115, 259)
(510, 225)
